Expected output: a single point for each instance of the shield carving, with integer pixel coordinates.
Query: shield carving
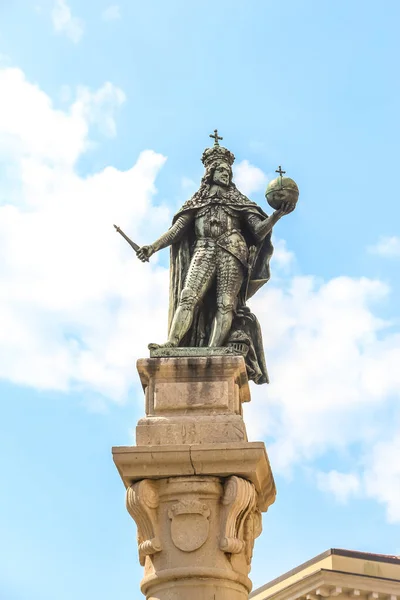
(189, 524)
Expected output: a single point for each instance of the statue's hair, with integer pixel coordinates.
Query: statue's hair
(201, 197)
(207, 179)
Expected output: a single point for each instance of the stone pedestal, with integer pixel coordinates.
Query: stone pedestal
(195, 486)
(193, 400)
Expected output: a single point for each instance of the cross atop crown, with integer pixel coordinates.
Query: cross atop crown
(216, 137)
(217, 154)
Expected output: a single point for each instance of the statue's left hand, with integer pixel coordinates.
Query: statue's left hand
(287, 207)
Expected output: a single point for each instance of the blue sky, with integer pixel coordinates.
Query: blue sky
(105, 109)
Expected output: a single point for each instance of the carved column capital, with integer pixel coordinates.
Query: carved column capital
(240, 518)
(142, 502)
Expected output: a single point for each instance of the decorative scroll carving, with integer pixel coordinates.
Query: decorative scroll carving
(189, 524)
(252, 529)
(241, 519)
(142, 502)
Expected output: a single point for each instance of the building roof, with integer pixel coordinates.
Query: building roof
(350, 573)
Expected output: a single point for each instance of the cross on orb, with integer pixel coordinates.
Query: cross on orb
(216, 137)
(279, 170)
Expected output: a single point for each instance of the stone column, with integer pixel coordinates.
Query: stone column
(195, 486)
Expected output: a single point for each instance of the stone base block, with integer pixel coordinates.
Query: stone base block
(193, 400)
(158, 431)
(197, 385)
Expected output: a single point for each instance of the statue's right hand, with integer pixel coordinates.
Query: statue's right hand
(144, 253)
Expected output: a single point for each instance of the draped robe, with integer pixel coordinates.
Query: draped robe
(245, 324)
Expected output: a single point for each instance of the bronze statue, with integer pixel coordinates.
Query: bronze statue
(220, 251)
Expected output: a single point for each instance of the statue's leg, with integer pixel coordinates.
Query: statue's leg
(198, 279)
(230, 273)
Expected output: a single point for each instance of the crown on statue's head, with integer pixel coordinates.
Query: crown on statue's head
(217, 154)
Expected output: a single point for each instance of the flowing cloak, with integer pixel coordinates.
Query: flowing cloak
(245, 325)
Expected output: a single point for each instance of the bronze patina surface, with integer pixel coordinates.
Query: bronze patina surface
(220, 249)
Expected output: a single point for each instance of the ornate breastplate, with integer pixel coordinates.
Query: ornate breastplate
(214, 220)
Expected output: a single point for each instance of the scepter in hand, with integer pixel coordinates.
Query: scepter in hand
(132, 244)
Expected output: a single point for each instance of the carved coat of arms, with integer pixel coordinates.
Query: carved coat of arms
(189, 524)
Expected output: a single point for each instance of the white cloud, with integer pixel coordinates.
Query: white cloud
(326, 359)
(382, 475)
(378, 475)
(76, 306)
(64, 22)
(388, 247)
(111, 13)
(340, 485)
(39, 132)
(282, 257)
(248, 178)
(334, 379)
(99, 107)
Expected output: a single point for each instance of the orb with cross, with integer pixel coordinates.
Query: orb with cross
(281, 190)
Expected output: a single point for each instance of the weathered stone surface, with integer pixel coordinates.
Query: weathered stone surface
(183, 396)
(153, 462)
(195, 486)
(193, 400)
(196, 383)
(247, 460)
(156, 431)
(195, 529)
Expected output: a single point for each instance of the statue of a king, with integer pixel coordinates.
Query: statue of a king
(220, 252)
